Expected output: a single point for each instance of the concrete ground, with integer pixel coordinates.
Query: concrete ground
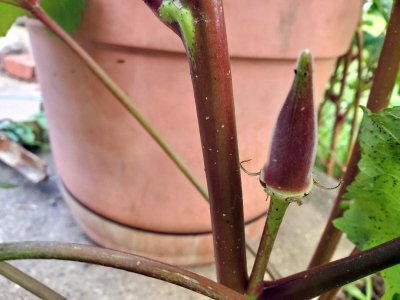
(18, 99)
(38, 213)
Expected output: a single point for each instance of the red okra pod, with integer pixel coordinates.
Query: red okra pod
(287, 174)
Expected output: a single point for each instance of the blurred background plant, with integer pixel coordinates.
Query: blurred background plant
(18, 141)
(339, 114)
(368, 288)
(32, 134)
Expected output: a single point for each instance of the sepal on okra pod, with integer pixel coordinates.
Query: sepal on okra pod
(287, 174)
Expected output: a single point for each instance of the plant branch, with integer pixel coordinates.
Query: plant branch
(332, 293)
(337, 127)
(28, 283)
(271, 271)
(358, 91)
(274, 219)
(329, 92)
(331, 236)
(201, 26)
(381, 89)
(117, 260)
(338, 163)
(212, 85)
(388, 64)
(313, 282)
(339, 116)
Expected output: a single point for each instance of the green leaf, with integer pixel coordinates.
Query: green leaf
(19, 132)
(31, 133)
(368, 288)
(373, 214)
(8, 15)
(354, 291)
(40, 118)
(6, 185)
(67, 13)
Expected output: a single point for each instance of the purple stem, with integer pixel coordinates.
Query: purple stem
(318, 280)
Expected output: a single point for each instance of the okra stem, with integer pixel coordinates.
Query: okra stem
(276, 211)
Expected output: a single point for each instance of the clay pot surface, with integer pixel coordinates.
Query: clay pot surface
(256, 28)
(103, 156)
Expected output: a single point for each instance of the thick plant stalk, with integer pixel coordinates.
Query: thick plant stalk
(287, 175)
(118, 260)
(379, 97)
(311, 283)
(212, 84)
(28, 283)
(332, 293)
(201, 26)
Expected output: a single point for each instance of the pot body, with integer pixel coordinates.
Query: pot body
(106, 161)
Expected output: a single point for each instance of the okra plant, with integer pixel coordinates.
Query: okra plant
(370, 218)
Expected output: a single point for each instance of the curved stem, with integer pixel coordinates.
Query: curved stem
(118, 260)
(274, 219)
(28, 283)
(314, 282)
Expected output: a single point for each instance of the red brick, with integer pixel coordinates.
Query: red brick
(21, 66)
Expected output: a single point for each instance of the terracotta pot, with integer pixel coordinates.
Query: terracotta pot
(121, 187)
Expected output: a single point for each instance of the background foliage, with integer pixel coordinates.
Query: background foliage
(372, 29)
